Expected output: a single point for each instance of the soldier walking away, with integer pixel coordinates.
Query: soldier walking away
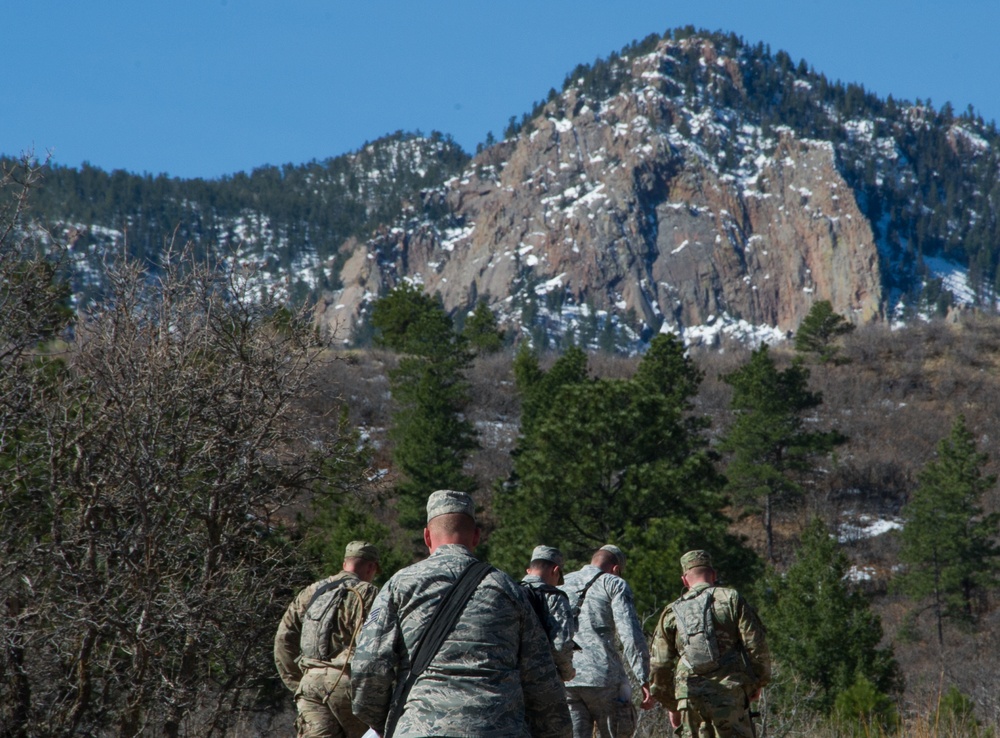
(316, 641)
(452, 646)
(600, 694)
(710, 658)
(551, 605)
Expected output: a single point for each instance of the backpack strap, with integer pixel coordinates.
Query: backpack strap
(322, 590)
(441, 624)
(583, 593)
(537, 600)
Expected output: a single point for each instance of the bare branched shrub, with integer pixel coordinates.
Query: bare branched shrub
(141, 477)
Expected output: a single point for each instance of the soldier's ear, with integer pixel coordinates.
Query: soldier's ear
(427, 537)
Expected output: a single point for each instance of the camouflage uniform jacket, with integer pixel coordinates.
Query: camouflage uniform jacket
(608, 609)
(560, 626)
(493, 675)
(743, 654)
(351, 614)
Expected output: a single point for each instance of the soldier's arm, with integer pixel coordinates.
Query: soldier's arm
(286, 643)
(754, 637)
(629, 629)
(562, 641)
(663, 662)
(545, 710)
(373, 669)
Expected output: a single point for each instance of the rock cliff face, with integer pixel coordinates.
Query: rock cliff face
(641, 210)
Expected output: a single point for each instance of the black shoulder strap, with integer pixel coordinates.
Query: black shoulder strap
(537, 600)
(441, 624)
(583, 592)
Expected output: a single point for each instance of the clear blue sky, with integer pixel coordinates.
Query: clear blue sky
(202, 88)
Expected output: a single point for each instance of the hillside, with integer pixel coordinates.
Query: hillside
(691, 182)
(702, 186)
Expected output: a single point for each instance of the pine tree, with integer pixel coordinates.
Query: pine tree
(431, 436)
(948, 541)
(616, 461)
(769, 448)
(819, 329)
(481, 330)
(820, 629)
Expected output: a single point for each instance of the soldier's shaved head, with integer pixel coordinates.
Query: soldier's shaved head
(604, 560)
(451, 528)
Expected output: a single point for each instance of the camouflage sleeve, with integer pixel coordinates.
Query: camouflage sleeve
(286, 641)
(754, 637)
(663, 661)
(563, 630)
(633, 640)
(545, 710)
(375, 663)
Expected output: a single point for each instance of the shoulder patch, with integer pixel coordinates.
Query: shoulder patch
(372, 616)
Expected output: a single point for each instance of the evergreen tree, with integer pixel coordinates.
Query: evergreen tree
(948, 541)
(620, 461)
(821, 630)
(481, 330)
(432, 438)
(819, 329)
(768, 445)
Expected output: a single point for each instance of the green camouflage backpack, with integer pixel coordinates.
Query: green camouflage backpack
(700, 649)
(320, 619)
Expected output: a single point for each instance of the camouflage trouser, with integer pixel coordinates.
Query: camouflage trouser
(723, 713)
(324, 706)
(600, 707)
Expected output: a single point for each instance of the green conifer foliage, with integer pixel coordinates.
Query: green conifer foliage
(948, 540)
(819, 329)
(769, 448)
(616, 461)
(431, 435)
(481, 330)
(820, 629)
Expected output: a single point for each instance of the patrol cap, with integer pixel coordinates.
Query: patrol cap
(547, 553)
(361, 550)
(694, 559)
(616, 552)
(446, 501)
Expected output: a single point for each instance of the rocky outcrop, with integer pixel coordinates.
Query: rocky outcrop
(640, 209)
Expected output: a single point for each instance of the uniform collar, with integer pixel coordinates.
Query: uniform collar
(451, 549)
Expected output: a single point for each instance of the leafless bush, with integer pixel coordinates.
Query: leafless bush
(141, 475)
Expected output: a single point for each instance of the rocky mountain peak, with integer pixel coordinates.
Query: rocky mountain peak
(658, 207)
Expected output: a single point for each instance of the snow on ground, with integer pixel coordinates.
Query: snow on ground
(866, 526)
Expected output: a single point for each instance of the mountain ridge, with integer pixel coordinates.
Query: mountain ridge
(715, 111)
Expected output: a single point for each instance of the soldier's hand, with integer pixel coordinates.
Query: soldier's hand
(647, 698)
(675, 718)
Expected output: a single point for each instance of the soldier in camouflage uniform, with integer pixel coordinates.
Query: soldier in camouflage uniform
(709, 697)
(600, 694)
(544, 572)
(323, 688)
(493, 675)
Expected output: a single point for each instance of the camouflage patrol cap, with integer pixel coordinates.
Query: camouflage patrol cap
(616, 552)
(694, 559)
(449, 501)
(547, 553)
(361, 550)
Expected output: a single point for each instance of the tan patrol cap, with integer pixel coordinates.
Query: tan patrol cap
(694, 559)
(616, 552)
(446, 501)
(547, 553)
(361, 550)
